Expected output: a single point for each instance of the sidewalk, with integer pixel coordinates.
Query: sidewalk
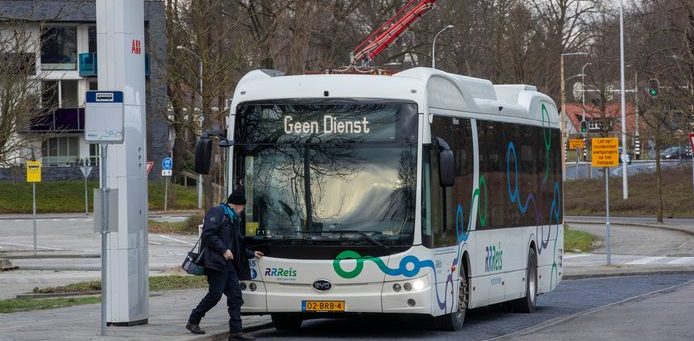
(168, 314)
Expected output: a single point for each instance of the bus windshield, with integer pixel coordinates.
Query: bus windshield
(328, 172)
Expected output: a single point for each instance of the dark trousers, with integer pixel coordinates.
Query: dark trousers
(221, 282)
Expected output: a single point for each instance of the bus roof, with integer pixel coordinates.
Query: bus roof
(432, 89)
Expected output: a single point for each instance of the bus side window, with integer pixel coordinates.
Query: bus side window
(444, 203)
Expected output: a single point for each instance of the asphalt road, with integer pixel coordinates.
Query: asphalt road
(566, 313)
(583, 170)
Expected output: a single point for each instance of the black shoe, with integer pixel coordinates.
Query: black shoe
(194, 328)
(240, 337)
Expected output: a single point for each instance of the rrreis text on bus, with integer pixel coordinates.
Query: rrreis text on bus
(423, 193)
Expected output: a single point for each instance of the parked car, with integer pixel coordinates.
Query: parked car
(628, 156)
(676, 153)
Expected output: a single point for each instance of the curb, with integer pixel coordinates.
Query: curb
(663, 226)
(674, 271)
(225, 335)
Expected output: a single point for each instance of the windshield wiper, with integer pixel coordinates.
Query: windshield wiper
(365, 235)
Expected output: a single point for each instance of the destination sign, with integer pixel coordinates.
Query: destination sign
(329, 125)
(325, 122)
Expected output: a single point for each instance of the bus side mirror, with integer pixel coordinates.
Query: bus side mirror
(446, 163)
(203, 154)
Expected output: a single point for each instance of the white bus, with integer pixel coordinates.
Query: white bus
(423, 193)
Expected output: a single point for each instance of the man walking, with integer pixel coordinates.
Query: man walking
(226, 262)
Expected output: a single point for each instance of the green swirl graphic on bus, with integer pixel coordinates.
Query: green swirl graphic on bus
(409, 265)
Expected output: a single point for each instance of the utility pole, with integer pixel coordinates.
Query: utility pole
(562, 114)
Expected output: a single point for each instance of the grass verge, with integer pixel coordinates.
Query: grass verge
(189, 226)
(68, 197)
(578, 240)
(587, 196)
(16, 305)
(156, 283)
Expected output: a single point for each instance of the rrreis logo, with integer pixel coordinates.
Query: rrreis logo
(282, 274)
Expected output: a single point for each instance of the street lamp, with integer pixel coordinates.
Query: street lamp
(433, 45)
(625, 187)
(181, 47)
(583, 93)
(563, 106)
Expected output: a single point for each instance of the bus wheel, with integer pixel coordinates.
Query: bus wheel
(454, 321)
(528, 303)
(286, 321)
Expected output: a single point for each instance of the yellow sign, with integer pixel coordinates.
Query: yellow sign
(576, 144)
(33, 171)
(251, 228)
(605, 152)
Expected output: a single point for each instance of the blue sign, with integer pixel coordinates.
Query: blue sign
(104, 96)
(167, 163)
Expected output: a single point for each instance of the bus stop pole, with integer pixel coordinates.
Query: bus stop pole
(104, 222)
(33, 190)
(607, 210)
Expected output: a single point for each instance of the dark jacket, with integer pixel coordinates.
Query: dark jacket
(221, 232)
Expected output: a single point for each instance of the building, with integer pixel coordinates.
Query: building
(63, 43)
(608, 121)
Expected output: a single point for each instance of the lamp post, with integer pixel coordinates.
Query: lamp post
(583, 116)
(181, 47)
(433, 46)
(625, 187)
(563, 108)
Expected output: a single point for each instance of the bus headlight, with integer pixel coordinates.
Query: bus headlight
(418, 285)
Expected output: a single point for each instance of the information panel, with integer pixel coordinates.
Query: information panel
(33, 171)
(605, 152)
(103, 118)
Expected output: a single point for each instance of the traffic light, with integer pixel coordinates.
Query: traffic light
(584, 127)
(653, 85)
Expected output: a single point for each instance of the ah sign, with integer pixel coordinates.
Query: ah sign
(136, 47)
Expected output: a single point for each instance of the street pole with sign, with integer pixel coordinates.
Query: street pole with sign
(86, 170)
(34, 176)
(166, 172)
(104, 125)
(691, 140)
(605, 154)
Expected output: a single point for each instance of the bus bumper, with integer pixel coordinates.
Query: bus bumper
(410, 296)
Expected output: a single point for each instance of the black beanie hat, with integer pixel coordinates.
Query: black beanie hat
(237, 197)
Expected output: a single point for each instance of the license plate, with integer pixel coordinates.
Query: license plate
(323, 306)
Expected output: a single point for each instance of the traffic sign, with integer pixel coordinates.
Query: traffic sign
(166, 172)
(150, 165)
(577, 144)
(167, 163)
(605, 152)
(691, 139)
(86, 170)
(33, 171)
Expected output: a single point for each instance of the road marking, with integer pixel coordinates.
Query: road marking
(644, 260)
(561, 319)
(31, 246)
(174, 239)
(681, 260)
(154, 243)
(578, 255)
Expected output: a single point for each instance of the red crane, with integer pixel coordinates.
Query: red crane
(391, 30)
